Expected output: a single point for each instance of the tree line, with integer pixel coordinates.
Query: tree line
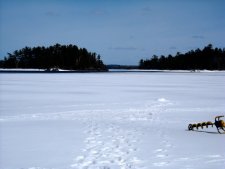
(58, 56)
(208, 58)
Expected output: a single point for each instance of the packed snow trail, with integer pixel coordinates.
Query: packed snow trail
(111, 145)
(108, 146)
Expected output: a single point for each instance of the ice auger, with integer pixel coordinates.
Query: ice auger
(220, 125)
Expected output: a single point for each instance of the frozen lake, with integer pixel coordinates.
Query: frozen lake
(124, 120)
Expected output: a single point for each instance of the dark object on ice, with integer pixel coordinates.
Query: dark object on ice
(54, 69)
(220, 125)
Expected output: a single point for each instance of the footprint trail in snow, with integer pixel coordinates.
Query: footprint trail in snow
(108, 148)
(110, 145)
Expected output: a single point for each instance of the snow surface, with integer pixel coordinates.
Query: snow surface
(110, 120)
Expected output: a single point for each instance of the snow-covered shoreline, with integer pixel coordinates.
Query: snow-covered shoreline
(2, 70)
(168, 71)
(110, 121)
(47, 71)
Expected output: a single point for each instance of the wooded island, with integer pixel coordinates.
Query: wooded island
(68, 57)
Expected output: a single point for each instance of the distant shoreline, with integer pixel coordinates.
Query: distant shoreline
(102, 71)
(43, 71)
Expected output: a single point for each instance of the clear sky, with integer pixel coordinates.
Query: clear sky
(121, 31)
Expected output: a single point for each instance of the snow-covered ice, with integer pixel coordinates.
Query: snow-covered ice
(124, 120)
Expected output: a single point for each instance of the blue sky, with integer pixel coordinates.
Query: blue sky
(121, 31)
